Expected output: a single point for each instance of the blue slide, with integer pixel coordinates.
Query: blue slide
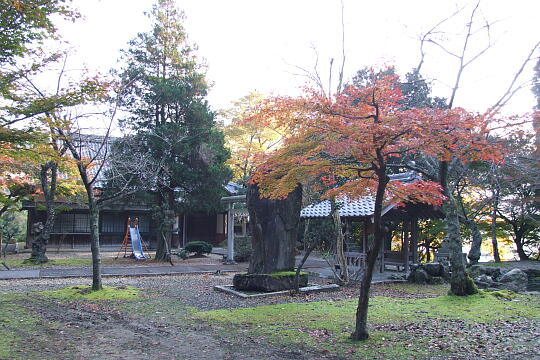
(136, 244)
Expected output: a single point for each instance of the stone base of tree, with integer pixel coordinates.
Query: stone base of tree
(431, 273)
(486, 277)
(267, 282)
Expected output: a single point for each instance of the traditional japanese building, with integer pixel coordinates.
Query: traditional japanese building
(72, 223)
(401, 227)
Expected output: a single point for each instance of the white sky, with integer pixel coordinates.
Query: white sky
(256, 44)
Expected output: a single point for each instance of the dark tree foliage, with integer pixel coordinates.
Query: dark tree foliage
(164, 93)
(416, 90)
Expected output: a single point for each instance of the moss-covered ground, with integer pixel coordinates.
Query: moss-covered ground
(400, 327)
(52, 262)
(86, 293)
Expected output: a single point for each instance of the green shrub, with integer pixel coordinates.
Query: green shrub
(242, 248)
(198, 247)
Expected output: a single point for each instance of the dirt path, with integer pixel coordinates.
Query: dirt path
(157, 326)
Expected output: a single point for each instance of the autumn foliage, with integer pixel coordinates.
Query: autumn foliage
(353, 136)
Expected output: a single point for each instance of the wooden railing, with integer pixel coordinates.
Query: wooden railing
(356, 261)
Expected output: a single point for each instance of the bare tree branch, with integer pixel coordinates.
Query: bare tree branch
(511, 90)
(425, 37)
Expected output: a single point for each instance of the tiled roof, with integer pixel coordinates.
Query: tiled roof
(348, 208)
(233, 188)
(361, 207)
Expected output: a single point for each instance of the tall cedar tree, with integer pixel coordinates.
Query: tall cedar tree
(353, 136)
(165, 91)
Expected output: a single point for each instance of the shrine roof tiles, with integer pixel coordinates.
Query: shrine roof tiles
(361, 207)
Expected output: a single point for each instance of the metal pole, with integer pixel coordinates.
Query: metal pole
(230, 236)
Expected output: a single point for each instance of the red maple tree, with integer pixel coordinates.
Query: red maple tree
(354, 136)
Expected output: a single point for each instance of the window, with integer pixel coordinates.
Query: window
(144, 223)
(71, 223)
(113, 223)
(116, 223)
(81, 223)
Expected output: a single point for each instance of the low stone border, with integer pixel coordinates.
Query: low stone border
(229, 289)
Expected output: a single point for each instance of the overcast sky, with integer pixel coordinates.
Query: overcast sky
(257, 45)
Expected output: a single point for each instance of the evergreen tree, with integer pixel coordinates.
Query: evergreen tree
(165, 89)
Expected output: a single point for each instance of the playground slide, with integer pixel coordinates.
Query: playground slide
(136, 244)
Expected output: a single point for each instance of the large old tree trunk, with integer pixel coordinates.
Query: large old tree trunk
(274, 226)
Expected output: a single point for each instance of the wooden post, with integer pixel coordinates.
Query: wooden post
(244, 227)
(414, 238)
(364, 236)
(348, 233)
(406, 232)
(381, 253)
(29, 234)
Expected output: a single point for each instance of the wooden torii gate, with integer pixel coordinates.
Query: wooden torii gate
(231, 201)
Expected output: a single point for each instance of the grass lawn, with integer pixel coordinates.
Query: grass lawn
(400, 327)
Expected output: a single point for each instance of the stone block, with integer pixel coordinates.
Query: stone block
(420, 276)
(515, 280)
(434, 269)
(435, 280)
(267, 282)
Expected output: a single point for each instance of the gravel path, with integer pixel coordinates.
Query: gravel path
(193, 290)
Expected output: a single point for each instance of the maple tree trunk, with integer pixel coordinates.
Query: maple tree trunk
(496, 255)
(40, 242)
(308, 252)
(274, 229)
(361, 331)
(94, 246)
(476, 245)
(48, 186)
